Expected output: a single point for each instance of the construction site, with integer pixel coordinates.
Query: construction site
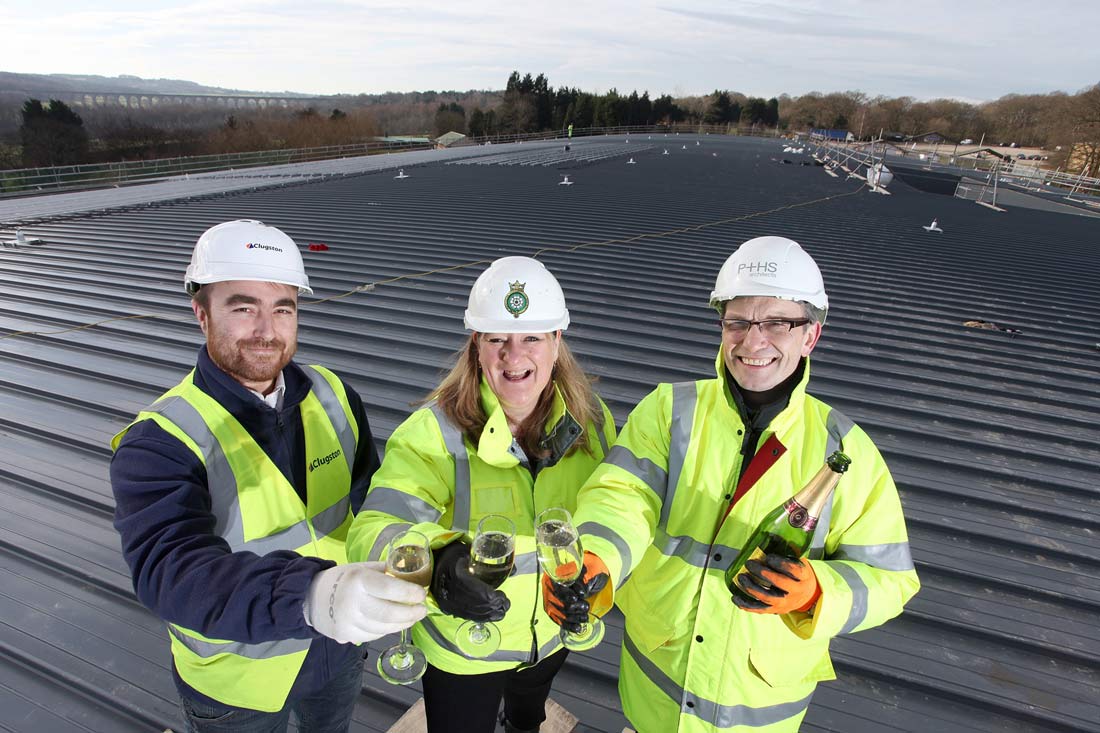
(963, 336)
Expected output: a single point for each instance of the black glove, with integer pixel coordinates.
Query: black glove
(459, 592)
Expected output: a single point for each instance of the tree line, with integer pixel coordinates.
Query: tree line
(530, 104)
(53, 133)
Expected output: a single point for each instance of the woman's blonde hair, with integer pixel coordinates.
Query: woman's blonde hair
(459, 396)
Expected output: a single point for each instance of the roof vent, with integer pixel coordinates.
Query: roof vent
(20, 240)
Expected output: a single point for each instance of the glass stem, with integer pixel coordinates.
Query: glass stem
(402, 645)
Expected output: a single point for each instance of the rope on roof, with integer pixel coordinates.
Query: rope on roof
(368, 287)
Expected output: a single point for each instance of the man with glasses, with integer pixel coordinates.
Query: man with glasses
(695, 469)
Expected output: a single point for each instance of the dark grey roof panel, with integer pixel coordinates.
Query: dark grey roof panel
(991, 436)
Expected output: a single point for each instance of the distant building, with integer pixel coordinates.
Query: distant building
(929, 137)
(404, 139)
(837, 135)
(448, 139)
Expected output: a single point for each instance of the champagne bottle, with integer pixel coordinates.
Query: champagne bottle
(788, 529)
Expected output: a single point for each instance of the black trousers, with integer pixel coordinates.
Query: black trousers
(468, 703)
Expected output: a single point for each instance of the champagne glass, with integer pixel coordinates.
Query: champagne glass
(409, 558)
(491, 559)
(561, 557)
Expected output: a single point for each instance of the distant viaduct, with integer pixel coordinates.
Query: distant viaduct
(146, 100)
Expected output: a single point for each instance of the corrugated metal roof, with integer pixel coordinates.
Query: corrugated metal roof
(991, 436)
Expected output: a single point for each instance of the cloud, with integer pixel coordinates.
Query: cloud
(809, 25)
(940, 48)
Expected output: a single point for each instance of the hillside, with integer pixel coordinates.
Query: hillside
(10, 81)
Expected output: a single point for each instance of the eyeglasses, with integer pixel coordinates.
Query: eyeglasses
(770, 327)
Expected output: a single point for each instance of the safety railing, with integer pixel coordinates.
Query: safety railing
(1075, 187)
(31, 181)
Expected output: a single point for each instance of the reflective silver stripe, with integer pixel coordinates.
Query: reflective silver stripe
(694, 552)
(606, 534)
(838, 426)
(683, 415)
(643, 469)
(859, 596)
(603, 437)
(440, 638)
(889, 556)
(222, 484)
(383, 539)
(550, 646)
(821, 531)
(329, 520)
(399, 504)
(263, 650)
(720, 716)
(294, 536)
(325, 394)
(452, 438)
(526, 563)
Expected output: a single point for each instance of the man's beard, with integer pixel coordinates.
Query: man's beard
(236, 360)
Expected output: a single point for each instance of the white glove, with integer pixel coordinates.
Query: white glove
(358, 602)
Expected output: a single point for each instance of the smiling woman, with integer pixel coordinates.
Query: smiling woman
(513, 429)
(517, 367)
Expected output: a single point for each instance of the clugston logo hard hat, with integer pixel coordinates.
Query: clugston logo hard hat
(257, 245)
(246, 249)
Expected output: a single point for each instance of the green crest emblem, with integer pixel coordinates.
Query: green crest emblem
(516, 301)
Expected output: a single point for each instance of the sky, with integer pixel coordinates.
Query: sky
(975, 50)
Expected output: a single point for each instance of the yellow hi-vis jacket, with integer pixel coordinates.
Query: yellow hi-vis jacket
(692, 661)
(434, 480)
(258, 511)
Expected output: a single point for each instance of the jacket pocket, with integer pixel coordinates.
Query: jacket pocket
(645, 627)
(783, 666)
(492, 500)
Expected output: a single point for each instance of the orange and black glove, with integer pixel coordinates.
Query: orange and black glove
(779, 585)
(569, 605)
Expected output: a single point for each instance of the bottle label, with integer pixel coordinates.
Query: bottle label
(757, 554)
(797, 516)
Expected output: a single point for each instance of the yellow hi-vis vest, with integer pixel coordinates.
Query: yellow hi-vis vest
(435, 480)
(258, 510)
(692, 661)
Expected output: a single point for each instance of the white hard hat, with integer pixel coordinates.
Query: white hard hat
(246, 250)
(516, 295)
(770, 266)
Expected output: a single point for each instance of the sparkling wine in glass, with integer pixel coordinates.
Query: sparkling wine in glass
(561, 557)
(491, 558)
(409, 558)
